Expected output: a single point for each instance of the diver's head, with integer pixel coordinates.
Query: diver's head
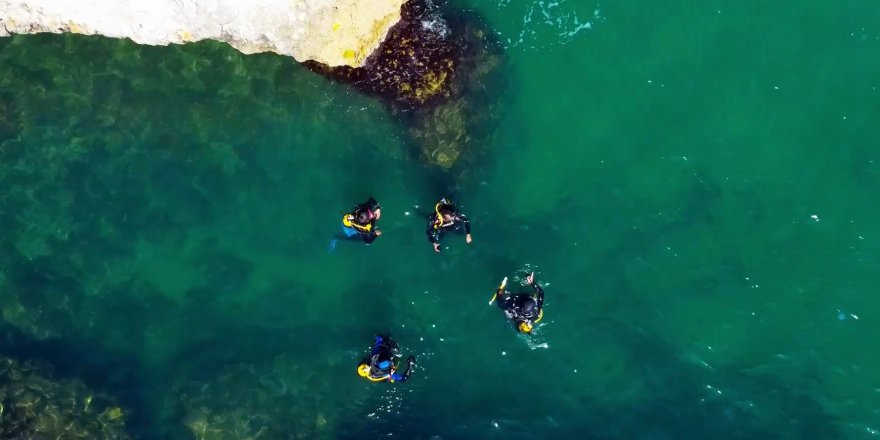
(525, 327)
(447, 213)
(364, 217)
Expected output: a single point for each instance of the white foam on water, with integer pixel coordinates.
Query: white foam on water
(437, 26)
(535, 340)
(544, 24)
(523, 271)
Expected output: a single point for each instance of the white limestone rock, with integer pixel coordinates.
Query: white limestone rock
(333, 32)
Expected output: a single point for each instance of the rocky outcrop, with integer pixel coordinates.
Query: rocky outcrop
(440, 72)
(276, 399)
(36, 405)
(441, 75)
(332, 32)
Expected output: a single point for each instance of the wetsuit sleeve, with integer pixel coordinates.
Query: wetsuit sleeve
(377, 345)
(539, 295)
(397, 377)
(432, 232)
(467, 223)
(503, 299)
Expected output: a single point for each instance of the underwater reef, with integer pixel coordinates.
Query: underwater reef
(440, 74)
(279, 398)
(89, 171)
(439, 70)
(34, 405)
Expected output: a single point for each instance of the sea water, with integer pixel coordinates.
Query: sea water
(694, 183)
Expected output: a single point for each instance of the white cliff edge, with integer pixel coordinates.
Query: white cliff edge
(333, 32)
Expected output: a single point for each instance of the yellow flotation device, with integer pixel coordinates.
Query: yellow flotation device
(348, 222)
(500, 288)
(364, 371)
(439, 222)
(526, 327)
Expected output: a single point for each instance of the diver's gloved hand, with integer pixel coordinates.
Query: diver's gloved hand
(436, 247)
(531, 278)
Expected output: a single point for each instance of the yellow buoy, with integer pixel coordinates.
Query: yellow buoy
(363, 370)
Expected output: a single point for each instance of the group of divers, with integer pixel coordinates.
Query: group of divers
(382, 364)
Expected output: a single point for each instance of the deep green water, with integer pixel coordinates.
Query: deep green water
(695, 183)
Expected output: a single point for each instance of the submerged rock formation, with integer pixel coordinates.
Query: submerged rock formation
(439, 74)
(333, 32)
(275, 399)
(34, 405)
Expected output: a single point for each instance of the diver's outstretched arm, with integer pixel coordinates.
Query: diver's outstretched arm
(539, 291)
(375, 207)
(433, 234)
(410, 363)
(465, 222)
(369, 238)
(503, 299)
(539, 295)
(467, 228)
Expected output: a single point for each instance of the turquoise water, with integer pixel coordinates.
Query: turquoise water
(694, 183)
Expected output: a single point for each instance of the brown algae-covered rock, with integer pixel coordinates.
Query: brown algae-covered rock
(415, 65)
(34, 405)
(279, 398)
(438, 73)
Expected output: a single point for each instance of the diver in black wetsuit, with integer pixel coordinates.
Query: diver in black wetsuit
(446, 218)
(382, 362)
(525, 309)
(361, 223)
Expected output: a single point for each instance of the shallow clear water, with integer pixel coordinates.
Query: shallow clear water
(694, 183)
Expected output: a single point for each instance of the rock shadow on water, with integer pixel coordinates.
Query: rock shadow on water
(440, 72)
